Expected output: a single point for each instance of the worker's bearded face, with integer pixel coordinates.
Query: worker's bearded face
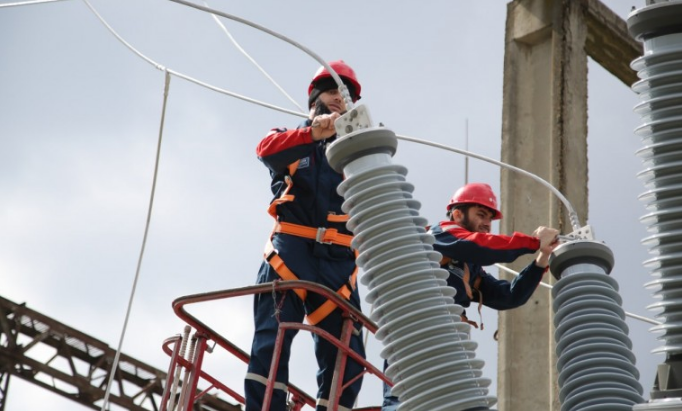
(333, 100)
(477, 219)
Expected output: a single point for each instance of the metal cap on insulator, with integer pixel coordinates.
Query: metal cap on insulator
(363, 142)
(657, 19)
(580, 252)
(668, 381)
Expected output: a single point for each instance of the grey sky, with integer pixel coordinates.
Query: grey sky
(79, 119)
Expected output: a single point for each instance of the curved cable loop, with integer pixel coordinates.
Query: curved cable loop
(572, 215)
(28, 3)
(186, 77)
(114, 365)
(252, 60)
(306, 50)
(239, 96)
(549, 286)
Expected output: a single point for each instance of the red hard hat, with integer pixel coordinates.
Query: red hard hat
(344, 71)
(476, 193)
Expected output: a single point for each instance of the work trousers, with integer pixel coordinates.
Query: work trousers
(290, 308)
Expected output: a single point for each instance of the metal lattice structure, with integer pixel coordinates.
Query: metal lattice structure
(52, 355)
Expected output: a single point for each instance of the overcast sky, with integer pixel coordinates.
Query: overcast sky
(79, 121)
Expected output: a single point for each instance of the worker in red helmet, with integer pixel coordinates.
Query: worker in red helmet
(323, 81)
(466, 244)
(309, 242)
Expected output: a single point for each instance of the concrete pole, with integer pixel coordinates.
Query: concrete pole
(544, 130)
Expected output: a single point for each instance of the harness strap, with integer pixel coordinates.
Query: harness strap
(466, 278)
(337, 218)
(285, 197)
(468, 321)
(327, 307)
(321, 234)
(477, 283)
(281, 269)
(285, 273)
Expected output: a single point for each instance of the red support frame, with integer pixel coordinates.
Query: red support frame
(206, 333)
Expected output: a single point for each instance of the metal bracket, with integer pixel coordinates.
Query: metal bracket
(584, 233)
(356, 119)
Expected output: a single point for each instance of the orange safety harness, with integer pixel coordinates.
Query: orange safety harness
(321, 235)
(477, 283)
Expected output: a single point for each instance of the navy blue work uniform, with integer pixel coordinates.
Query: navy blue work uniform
(315, 204)
(460, 246)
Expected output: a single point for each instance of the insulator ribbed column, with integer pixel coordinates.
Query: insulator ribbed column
(432, 360)
(595, 360)
(659, 27)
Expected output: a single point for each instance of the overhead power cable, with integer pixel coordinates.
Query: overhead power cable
(332, 72)
(186, 77)
(253, 61)
(144, 243)
(27, 3)
(573, 216)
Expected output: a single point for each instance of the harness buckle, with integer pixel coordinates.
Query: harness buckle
(269, 254)
(319, 237)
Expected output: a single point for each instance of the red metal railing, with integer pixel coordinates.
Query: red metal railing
(204, 333)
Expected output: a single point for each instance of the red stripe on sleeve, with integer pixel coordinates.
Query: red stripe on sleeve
(281, 139)
(495, 241)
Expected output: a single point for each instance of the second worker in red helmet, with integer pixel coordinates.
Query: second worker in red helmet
(466, 244)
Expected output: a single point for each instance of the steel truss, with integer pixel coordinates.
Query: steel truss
(52, 355)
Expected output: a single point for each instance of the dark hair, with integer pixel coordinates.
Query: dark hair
(464, 208)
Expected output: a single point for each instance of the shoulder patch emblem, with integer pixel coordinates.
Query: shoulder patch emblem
(304, 163)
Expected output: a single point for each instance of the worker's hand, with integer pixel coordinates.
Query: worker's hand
(549, 239)
(323, 126)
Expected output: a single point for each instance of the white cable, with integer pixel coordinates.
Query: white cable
(335, 76)
(549, 286)
(229, 93)
(144, 243)
(183, 76)
(253, 61)
(573, 216)
(27, 3)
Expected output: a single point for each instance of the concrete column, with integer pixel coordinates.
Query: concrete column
(544, 131)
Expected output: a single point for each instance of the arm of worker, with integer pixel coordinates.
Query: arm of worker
(505, 295)
(481, 248)
(549, 240)
(282, 147)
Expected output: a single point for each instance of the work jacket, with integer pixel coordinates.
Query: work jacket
(316, 200)
(460, 246)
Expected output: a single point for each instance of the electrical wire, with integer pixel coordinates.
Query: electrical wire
(573, 216)
(253, 61)
(334, 75)
(27, 3)
(144, 243)
(186, 77)
(549, 286)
